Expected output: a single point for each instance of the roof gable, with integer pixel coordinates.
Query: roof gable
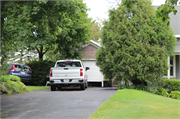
(93, 43)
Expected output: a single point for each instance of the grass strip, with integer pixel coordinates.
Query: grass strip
(136, 104)
(34, 88)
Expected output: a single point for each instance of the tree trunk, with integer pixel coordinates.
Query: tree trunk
(21, 56)
(41, 53)
(40, 56)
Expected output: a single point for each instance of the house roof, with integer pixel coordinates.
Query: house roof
(93, 43)
(174, 21)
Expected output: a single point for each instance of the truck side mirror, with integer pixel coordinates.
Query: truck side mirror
(87, 68)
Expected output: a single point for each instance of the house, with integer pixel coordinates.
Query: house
(89, 60)
(174, 59)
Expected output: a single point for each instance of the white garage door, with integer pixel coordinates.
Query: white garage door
(94, 74)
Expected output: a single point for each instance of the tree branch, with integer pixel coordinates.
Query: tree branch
(45, 51)
(37, 49)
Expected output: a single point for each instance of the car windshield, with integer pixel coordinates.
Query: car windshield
(68, 64)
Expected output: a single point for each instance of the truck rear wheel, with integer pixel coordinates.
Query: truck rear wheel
(59, 87)
(86, 85)
(82, 86)
(53, 87)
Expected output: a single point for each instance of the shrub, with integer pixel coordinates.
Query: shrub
(39, 70)
(141, 87)
(162, 91)
(152, 89)
(14, 78)
(11, 84)
(7, 78)
(4, 66)
(174, 94)
(106, 80)
(4, 78)
(172, 84)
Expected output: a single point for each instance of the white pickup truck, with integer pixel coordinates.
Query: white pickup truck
(68, 72)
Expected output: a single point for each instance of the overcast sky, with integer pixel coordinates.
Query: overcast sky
(99, 8)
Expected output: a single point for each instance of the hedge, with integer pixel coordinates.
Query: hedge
(39, 71)
(172, 84)
(162, 91)
(174, 94)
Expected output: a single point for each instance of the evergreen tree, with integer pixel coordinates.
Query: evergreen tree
(135, 45)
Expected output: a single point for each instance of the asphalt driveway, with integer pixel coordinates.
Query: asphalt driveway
(64, 104)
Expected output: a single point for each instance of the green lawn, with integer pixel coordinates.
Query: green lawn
(33, 88)
(130, 104)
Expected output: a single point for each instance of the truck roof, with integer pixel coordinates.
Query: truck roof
(67, 60)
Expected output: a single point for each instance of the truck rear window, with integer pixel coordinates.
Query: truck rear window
(68, 64)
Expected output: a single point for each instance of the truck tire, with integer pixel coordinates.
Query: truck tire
(53, 87)
(59, 87)
(86, 85)
(82, 86)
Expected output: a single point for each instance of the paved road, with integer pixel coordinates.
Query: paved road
(64, 104)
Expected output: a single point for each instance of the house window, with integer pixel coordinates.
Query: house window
(172, 67)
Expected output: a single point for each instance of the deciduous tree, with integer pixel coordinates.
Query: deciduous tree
(42, 24)
(96, 29)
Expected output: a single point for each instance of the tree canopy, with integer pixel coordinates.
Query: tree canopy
(96, 29)
(43, 24)
(135, 46)
(162, 13)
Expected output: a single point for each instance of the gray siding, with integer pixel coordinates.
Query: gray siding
(177, 49)
(177, 66)
(175, 21)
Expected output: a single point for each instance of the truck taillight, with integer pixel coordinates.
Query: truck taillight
(81, 73)
(50, 72)
(13, 68)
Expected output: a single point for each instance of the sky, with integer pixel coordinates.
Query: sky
(99, 8)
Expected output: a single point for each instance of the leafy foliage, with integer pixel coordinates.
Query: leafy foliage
(135, 46)
(162, 13)
(11, 84)
(14, 78)
(174, 94)
(172, 84)
(150, 89)
(162, 91)
(42, 25)
(39, 70)
(140, 87)
(96, 28)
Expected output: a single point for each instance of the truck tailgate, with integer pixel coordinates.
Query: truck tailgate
(66, 72)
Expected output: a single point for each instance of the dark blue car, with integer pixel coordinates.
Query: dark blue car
(22, 71)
